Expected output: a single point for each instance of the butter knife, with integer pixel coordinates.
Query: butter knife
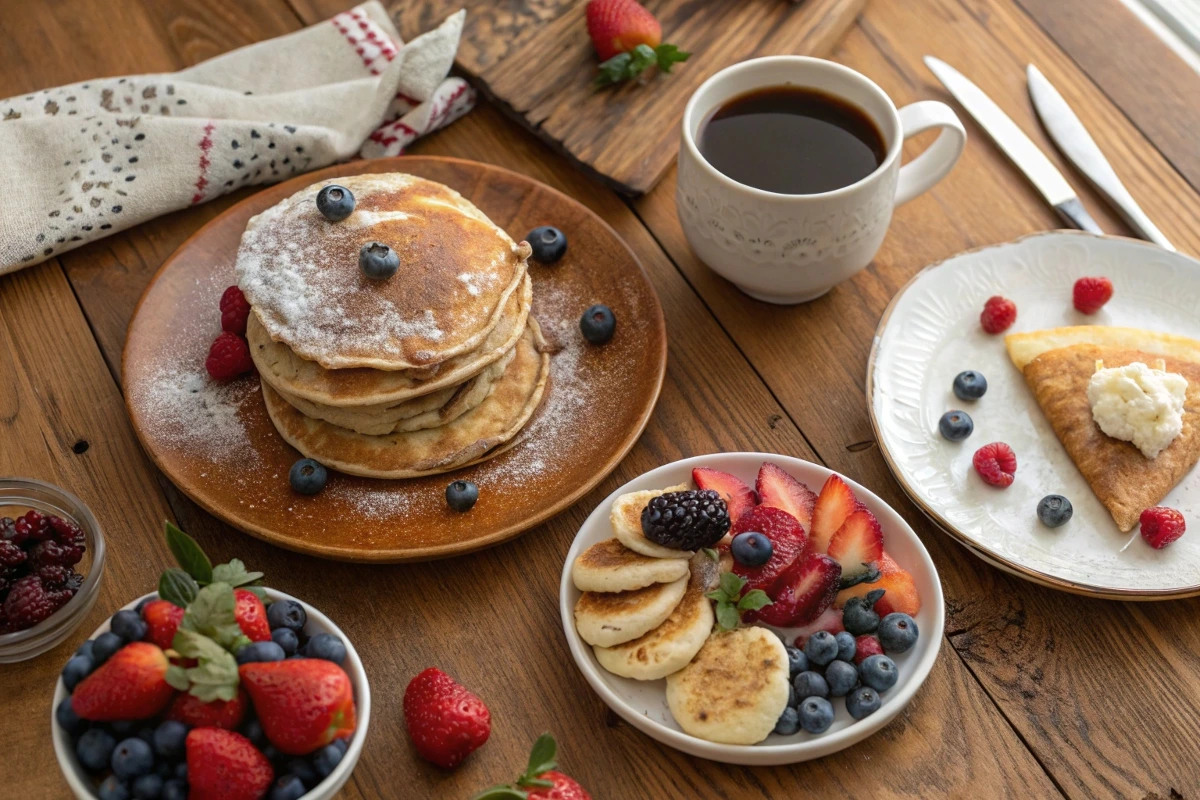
(1077, 144)
(1019, 148)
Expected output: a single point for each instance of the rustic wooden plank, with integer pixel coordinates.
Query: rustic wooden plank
(1036, 651)
(1144, 77)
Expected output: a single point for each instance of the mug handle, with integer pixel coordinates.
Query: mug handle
(919, 175)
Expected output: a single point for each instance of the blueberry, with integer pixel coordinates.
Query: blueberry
(751, 549)
(287, 639)
(164, 770)
(104, 646)
(461, 495)
(68, 720)
(145, 601)
(788, 723)
(129, 625)
(76, 669)
(879, 672)
(307, 476)
(858, 614)
(816, 715)
(862, 702)
(260, 651)
(302, 770)
(287, 614)
(342, 744)
(146, 734)
(326, 646)
(549, 244)
(898, 632)
(169, 739)
(810, 684)
(956, 425)
(841, 677)
(821, 648)
(174, 789)
(378, 261)
(797, 661)
(335, 202)
(131, 758)
(846, 645)
(252, 729)
(271, 752)
(598, 324)
(326, 759)
(112, 788)
(1054, 510)
(181, 771)
(970, 385)
(288, 787)
(148, 787)
(123, 728)
(792, 698)
(85, 649)
(95, 748)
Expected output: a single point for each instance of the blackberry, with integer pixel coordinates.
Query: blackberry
(686, 520)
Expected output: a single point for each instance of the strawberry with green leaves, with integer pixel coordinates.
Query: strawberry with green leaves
(628, 40)
(131, 684)
(540, 781)
(302, 703)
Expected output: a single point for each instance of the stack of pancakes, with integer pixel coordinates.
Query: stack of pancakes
(437, 367)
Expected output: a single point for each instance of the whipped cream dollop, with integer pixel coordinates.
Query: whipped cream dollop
(1138, 404)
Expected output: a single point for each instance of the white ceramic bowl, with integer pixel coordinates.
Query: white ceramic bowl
(643, 703)
(82, 784)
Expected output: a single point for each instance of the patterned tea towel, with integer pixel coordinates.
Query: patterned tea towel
(94, 158)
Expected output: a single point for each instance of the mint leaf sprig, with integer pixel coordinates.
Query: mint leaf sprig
(180, 585)
(731, 602)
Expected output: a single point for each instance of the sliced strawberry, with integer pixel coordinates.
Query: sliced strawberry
(858, 543)
(780, 490)
(804, 592)
(787, 540)
(738, 496)
(900, 591)
(834, 504)
(830, 621)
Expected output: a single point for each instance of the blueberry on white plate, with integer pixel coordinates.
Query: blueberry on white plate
(956, 425)
(970, 385)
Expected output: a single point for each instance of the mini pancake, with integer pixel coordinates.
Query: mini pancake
(477, 434)
(735, 688)
(626, 520)
(373, 390)
(429, 411)
(610, 566)
(457, 269)
(610, 618)
(672, 645)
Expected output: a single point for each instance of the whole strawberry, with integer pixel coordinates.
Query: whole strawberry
(540, 781)
(162, 620)
(228, 357)
(1090, 294)
(194, 712)
(445, 721)
(131, 684)
(223, 765)
(302, 703)
(251, 616)
(628, 40)
(235, 311)
(998, 314)
(1161, 526)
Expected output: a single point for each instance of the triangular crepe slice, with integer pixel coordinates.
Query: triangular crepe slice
(1124, 480)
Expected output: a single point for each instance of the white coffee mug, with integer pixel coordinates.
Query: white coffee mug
(791, 248)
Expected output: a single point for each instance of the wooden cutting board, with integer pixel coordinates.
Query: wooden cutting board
(533, 58)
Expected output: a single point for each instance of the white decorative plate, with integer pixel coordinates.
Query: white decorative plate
(643, 704)
(930, 332)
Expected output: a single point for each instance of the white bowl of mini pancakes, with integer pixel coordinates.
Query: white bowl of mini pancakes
(643, 704)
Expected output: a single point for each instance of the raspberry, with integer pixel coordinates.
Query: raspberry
(1090, 294)
(11, 555)
(229, 357)
(996, 463)
(58, 577)
(67, 532)
(8, 530)
(998, 313)
(33, 526)
(60, 598)
(1161, 526)
(28, 603)
(235, 310)
(50, 553)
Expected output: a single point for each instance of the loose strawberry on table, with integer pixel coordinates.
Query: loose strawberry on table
(446, 722)
(541, 780)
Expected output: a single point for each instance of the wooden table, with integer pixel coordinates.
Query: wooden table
(1036, 694)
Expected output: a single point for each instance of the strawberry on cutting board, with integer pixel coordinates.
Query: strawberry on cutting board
(302, 703)
(445, 721)
(223, 765)
(131, 684)
(738, 497)
(778, 489)
(628, 40)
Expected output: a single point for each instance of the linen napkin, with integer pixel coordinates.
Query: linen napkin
(93, 158)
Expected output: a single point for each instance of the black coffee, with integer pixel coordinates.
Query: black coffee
(792, 140)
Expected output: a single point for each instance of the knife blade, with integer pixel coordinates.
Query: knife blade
(1019, 148)
(1072, 138)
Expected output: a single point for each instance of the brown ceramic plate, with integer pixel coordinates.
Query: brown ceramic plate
(218, 446)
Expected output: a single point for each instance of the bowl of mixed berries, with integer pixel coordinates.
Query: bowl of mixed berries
(212, 688)
(51, 561)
